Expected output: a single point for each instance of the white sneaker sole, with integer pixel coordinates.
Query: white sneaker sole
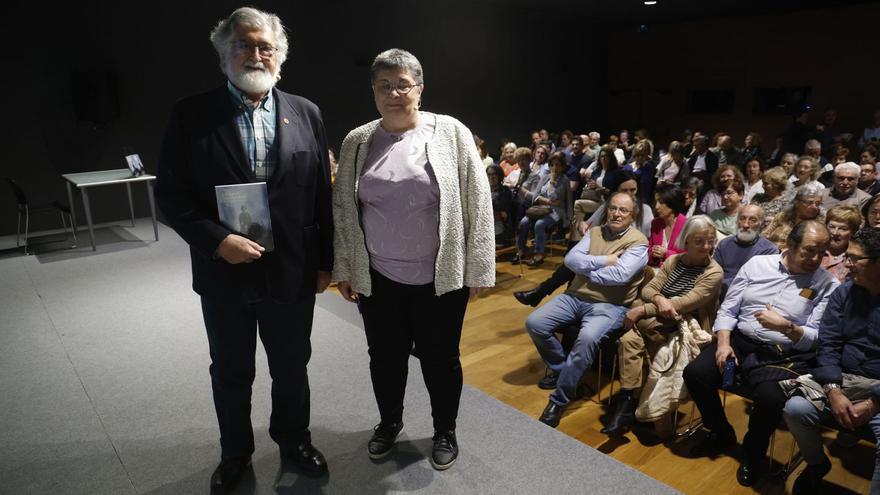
(383, 454)
(443, 467)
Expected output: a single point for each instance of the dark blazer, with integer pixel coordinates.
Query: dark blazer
(711, 165)
(202, 149)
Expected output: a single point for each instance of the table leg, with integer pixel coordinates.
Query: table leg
(87, 207)
(152, 207)
(130, 203)
(72, 207)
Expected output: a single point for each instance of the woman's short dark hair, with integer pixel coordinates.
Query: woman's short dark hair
(671, 196)
(557, 156)
(612, 160)
(869, 239)
(499, 172)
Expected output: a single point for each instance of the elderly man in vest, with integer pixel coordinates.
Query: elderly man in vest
(608, 262)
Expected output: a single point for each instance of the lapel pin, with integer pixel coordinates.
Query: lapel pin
(286, 121)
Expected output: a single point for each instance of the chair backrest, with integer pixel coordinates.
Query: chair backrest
(20, 198)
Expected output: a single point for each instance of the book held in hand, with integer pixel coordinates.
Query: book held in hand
(244, 209)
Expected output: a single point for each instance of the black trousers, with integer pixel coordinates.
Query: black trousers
(285, 330)
(703, 381)
(396, 316)
(561, 275)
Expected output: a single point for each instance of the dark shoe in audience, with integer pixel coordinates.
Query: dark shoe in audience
(623, 417)
(809, 480)
(228, 474)
(445, 450)
(516, 259)
(535, 262)
(713, 444)
(748, 472)
(529, 297)
(552, 414)
(549, 380)
(309, 460)
(384, 436)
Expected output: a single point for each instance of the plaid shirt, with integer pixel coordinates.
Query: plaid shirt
(256, 126)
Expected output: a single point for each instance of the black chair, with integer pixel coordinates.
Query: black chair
(26, 208)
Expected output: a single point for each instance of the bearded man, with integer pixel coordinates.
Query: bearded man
(733, 252)
(248, 132)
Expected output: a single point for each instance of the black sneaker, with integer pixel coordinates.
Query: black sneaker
(445, 450)
(383, 439)
(549, 380)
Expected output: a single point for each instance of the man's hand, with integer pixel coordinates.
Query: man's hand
(347, 292)
(723, 352)
(865, 410)
(842, 409)
(771, 320)
(323, 282)
(632, 316)
(665, 308)
(611, 259)
(236, 249)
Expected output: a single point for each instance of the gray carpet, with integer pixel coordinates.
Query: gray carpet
(105, 386)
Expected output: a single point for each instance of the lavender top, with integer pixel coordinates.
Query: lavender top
(400, 205)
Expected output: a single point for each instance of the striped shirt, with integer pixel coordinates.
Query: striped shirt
(681, 280)
(256, 126)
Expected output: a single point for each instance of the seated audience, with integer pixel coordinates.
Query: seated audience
(769, 315)
(807, 205)
(871, 211)
(643, 166)
(727, 152)
(577, 161)
(502, 203)
(777, 193)
(842, 222)
(776, 155)
(847, 375)
(522, 158)
(484, 155)
(592, 148)
(691, 188)
(753, 179)
(609, 262)
(751, 148)
(702, 163)
(539, 165)
(673, 169)
(643, 216)
(553, 198)
(871, 133)
(788, 162)
(508, 163)
(844, 190)
(524, 191)
(733, 252)
(724, 218)
(813, 148)
(868, 178)
(724, 176)
(665, 228)
(686, 285)
(806, 171)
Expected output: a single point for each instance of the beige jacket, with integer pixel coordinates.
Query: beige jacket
(466, 255)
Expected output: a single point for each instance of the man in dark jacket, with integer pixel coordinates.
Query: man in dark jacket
(848, 357)
(243, 133)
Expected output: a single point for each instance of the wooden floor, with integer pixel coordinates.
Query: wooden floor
(499, 358)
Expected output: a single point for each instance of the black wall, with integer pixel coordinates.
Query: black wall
(84, 80)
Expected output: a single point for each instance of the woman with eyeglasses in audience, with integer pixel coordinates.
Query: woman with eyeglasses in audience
(842, 222)
(723, 177)
(670, 207)
(725, 217)
(871, 211)
(807, 205)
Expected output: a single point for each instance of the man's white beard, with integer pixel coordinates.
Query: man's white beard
(252, 81)
(746, 236)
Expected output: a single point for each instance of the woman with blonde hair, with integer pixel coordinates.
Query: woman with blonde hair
(807, 205)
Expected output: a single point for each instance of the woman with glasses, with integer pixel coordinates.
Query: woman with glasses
(414, 240)
(871, 211)
(687, 284)
(807, 205)
(842, 222)
(721, 180)
(552, 202)
(724, 218)
(777, 193)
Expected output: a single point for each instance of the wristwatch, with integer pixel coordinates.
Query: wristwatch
(829, 387)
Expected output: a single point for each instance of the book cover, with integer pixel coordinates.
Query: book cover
(244, 209)
(135, 164)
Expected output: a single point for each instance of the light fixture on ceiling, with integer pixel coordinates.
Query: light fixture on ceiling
(650, 2)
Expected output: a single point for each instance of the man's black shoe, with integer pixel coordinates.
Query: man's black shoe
(747, 474)
(552, 414)
(713, 444)
(809, 480)
(445, 450)
(307, 458)
(549, 380)
(529, 297)
(384, 435)
(623, 417)
(228, 474)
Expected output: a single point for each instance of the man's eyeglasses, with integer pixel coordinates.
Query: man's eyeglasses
(402, 87)
(852, 258)
(264, 49)
(619, 209)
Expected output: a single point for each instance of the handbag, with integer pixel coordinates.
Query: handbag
(768, 363)
(537, 212)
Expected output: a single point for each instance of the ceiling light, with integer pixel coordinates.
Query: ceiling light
(650, 2)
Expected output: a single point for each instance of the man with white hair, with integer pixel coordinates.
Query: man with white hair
(245, 132)
(733, 251)
(843, 189)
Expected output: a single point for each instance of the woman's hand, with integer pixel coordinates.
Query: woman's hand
(347, 292)
(658, 251)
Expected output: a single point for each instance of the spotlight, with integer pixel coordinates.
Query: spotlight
(650, 2)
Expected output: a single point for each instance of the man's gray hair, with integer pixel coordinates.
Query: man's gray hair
(223, 34)
(848, 166)
(594, 134)
(397, 59)
(759, 213)
(813, 144)
(807, 190)
(693, 224)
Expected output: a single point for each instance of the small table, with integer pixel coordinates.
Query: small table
(85, 180)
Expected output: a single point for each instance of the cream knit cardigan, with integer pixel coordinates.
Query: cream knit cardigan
(466, 256)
